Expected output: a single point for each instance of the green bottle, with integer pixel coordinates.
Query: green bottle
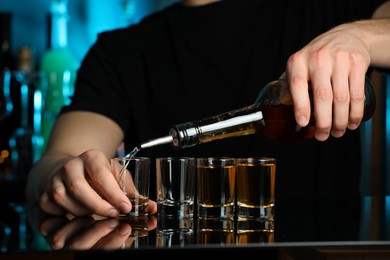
(58, 65)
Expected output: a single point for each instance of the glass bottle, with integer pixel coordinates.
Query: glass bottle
(6, 103)
(21, 139)
(59, 67)
(271, 115)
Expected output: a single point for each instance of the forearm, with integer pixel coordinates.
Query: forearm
(376, 36)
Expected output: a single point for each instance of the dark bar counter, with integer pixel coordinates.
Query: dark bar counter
(310, 229)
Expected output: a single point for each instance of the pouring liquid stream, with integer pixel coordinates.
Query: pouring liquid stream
(154, 142)
(121, 173)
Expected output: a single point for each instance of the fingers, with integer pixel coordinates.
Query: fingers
(58, 231)
(84, 185)
(152, 222)
(107, 234)
(99, 170)
(348, 78)
(357, 90)
(333, 67)
(48, 206)
(299, 88)
(93, 231)
(152, 207)
(116, 238)
(341, 101)
(124, 178)
(323, 104)
(64, 233)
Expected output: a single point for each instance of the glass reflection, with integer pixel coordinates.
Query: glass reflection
(174, 231)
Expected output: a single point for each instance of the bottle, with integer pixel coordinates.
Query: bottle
(271, 115)
(6, 103)
(6, 65)
(21, 139)
(59, 67)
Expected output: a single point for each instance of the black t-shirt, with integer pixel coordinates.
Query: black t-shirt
(182, 64)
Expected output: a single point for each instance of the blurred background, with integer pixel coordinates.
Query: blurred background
(30, 21)
(30, 25)
(26, 27)
(42, 43)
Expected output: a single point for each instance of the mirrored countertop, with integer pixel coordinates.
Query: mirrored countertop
(304, 229)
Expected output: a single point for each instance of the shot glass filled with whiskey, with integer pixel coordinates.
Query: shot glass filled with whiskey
(216, 187)
(256, 188)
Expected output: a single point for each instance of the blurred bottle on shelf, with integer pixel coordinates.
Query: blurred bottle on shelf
(6, 102)
(58, 66)
(21, 139)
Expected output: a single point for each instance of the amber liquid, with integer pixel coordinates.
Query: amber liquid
(139, 205)
(255, 189)
(215, 232)
(216, 186)
(280, 125)
(210, 236)
(139, 226)
(255, 236)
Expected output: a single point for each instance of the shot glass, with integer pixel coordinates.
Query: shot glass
(174, 231)
(215, 231)
(133, 176)
(254, 231)
(175, 186)
(139, 236)
(216, 183)
(256, 188)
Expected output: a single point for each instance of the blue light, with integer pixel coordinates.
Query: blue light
(387, 218)
(366, 218)
(387, 132)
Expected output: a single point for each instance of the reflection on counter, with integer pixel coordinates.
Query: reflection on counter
(26, 228)
(23, 228)
(173, 231)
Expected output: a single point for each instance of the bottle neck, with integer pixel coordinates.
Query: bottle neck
(243, 121)
(59, 23)
(24, 61)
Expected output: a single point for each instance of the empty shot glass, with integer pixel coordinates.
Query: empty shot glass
(175, 186)
(216, 183)
(256, 188)
(133, 176)
(174, 231)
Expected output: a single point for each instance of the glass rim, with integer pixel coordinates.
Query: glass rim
(181, 158)
(216, 161)
(220, 158)
(261, 159)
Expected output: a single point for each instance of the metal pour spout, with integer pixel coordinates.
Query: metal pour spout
(151, 143)
(157, 141)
